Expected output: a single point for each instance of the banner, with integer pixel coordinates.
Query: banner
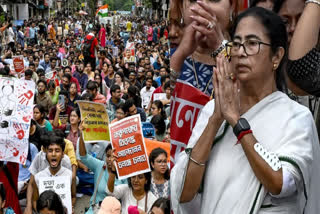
(128, 141)
(60, 185)
(97, 121)
(16, 111)
(187, 103)
(18, 63)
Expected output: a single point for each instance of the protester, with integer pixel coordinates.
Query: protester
(161, 206)
(160, 173)
(42, 98)
(39, 116)
(50, 202)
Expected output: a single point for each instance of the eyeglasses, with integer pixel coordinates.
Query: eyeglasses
(251, 47)
(161, 161)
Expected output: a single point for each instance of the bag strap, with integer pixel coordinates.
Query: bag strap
(145, 202)
(96, 187)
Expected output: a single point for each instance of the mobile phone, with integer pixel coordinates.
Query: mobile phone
(61, 100)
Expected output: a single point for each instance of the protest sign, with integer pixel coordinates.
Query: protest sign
(148, 130)
(18, 63)
(97, 121)
(130, 55)
(127, 140)
(16, 111)
(60, 185)
(160, 96)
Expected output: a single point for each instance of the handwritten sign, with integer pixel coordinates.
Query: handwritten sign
(16, 111)
(18, 63)
(97, 122)
(160, 96)
(127, 140)
(60, 185)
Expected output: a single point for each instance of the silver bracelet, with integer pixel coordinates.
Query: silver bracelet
(174, 74)
(313, 1)
(196, 162)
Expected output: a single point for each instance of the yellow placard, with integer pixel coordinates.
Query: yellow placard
(96, 122)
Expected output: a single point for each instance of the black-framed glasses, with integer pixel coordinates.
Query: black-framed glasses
(251, 47)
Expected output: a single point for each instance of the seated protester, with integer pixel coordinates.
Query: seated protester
(3, 210)
(150, 73)
(160, 175)
(41, 74)
(73, 95)
(114, 101)
(24, 174)
(9, 178)
(100, 168)
(54, 156)
(41, 97)
(60, 114)
(35, 133)
(34, 75)
(163, 72)
(160, 127)
(134, 94)
(136, 192)
(110, 205)
(65, 82)
(28, 74)
(50, 202)
(102, 86)
(67, 70)
(167, 89)
(39, 116)
(92, 88)
(157, 109)
(146, 92)
(160, 89)
(131, 109)
(133, 80)
(53, 92)
(120, 114)
(161, 205)
(81, 76)
(40, 163)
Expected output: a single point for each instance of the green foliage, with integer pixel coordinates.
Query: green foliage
(119, 4)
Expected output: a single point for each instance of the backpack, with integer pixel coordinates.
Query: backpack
(87, 46)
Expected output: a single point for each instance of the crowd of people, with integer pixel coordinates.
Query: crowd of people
(123, 64)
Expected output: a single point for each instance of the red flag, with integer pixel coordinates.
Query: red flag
(185, 107)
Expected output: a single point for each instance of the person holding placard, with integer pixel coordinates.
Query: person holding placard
(101, 169)
(136, 192)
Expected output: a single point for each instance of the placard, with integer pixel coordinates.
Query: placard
(127, 140)
(148, 130)
(159, 96)
(60, 185)
(16, 111)
(97, 122)
(18, 63)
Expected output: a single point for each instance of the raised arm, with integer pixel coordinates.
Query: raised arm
(306, 35)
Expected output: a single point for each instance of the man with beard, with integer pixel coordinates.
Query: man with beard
(81, 76)
(146, 92)
(67, 70)
(114, 101)
(54, 148)
(42, 98)
(133, 80)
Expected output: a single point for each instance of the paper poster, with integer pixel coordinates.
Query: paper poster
(159, 96)
(16, 111)
(130, 56)
(18, 63)
(128, 141)
(97, 121)
(148, 130)
(60, 185)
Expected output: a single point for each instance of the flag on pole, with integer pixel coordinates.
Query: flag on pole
(103, 11)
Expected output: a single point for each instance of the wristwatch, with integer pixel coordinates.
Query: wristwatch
(242, 125)
(221, 48)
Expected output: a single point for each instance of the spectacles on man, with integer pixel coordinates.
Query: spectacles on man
(251, 47)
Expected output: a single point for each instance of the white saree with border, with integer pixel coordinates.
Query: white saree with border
(283, 127)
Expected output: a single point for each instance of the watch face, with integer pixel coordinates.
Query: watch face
(244, 124)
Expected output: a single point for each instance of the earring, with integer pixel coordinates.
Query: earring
(231, 16)
(275, 67)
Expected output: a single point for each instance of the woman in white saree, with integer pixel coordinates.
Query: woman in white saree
(253, 150)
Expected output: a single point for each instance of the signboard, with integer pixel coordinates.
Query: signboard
(18, 63)
(97, 121)
(159, 96)
(60, 185)
(148, 130)
(128, 141)
(16, 111)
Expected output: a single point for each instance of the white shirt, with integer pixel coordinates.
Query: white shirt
(10, 35)
(146, 95)
(46, 173)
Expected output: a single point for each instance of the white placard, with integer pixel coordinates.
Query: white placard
(159, 96)
(60, 185)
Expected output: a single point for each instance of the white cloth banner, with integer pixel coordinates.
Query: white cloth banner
(16, 102)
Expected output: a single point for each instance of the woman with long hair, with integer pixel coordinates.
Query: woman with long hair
(160, 175)
(73, 95)
(39, 115)
(102, 86)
